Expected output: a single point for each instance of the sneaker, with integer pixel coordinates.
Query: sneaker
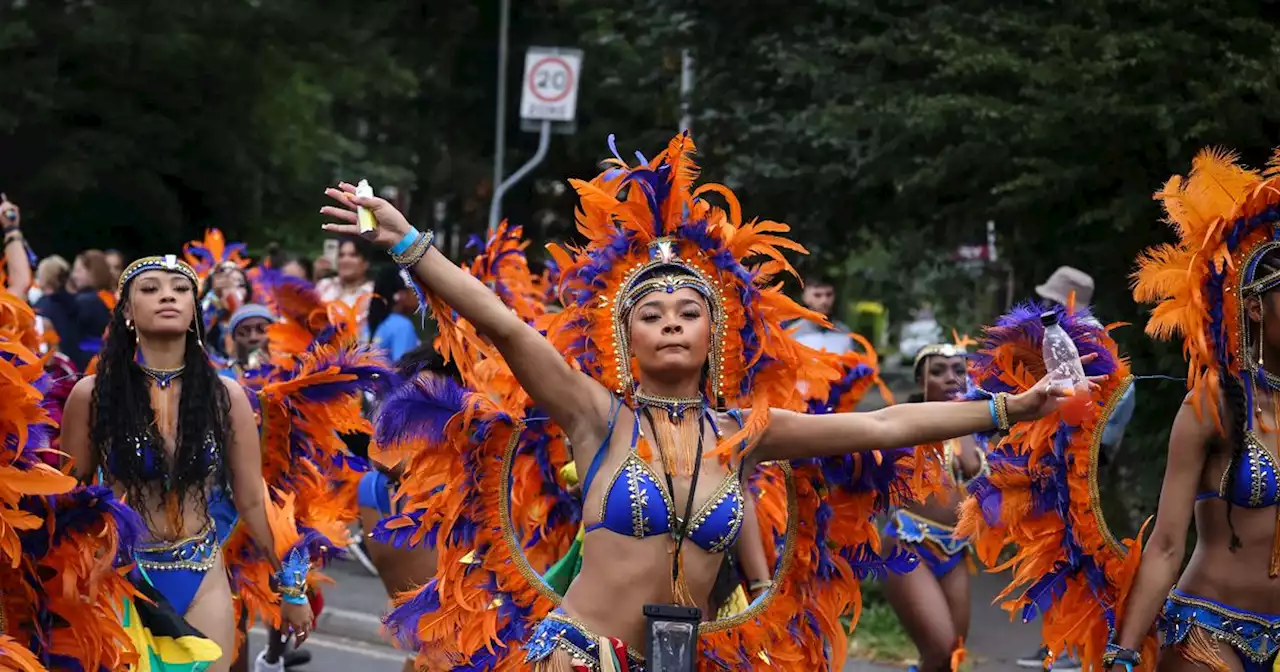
(261, 664)
(296, 657)
(1036, 661)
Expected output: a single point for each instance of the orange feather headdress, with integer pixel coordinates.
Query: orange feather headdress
(1225, 218)
(648, 228)
(213, 251)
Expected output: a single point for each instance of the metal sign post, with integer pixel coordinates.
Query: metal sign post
(549, 97)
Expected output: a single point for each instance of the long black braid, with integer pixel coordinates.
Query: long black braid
(1237, 410)
(1233, 390)
(121, 414)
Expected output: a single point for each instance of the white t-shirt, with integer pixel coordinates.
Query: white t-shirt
(835, 340)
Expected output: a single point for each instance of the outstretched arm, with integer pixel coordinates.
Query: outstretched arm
(792, 436)
(1162, 558)
(571, 398)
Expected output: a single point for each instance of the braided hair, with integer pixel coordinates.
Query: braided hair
(121, 415)
(1234, 397)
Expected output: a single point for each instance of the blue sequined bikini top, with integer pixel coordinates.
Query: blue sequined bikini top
(1256, 484)
(637, 505)
(154, 462)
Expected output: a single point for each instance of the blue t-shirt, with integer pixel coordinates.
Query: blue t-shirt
(396, 336)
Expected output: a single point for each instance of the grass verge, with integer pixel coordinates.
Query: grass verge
(879, 637)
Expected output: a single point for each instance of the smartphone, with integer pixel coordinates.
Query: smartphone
(331, 251)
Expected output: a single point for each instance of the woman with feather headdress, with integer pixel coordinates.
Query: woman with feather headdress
(685, 392)
(1216, 287)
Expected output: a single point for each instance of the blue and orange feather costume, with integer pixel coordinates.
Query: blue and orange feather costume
(1039, 496)
(64, 548)
(485, 602)
(305, 397)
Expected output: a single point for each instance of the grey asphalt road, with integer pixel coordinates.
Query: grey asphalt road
(330, 653)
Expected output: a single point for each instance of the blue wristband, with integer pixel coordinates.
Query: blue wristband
(410, 237)
(995, 418)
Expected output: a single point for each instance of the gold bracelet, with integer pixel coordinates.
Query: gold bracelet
(417, 247)
(1002, 411)
(760, 585)
(416, 251)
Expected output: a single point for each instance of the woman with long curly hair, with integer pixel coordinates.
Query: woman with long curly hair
(163, 429)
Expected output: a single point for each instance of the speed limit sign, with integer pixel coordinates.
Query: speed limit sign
(550, 91)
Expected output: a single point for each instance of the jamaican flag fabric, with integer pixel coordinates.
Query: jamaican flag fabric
(165, 642)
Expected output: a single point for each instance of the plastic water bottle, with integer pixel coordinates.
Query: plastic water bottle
(1062, 362)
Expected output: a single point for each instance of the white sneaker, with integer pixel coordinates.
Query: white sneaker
(261, 664)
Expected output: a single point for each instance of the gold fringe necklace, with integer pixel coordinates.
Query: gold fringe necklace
(164, 403)
(675, 433)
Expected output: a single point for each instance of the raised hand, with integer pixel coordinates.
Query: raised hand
(10, 216)
(391, 224)
(1046, 397)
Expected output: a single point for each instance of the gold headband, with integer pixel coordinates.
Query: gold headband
(938, 350)
(1267, 282)
(646, 278)
(1249, 362)
(168, 262)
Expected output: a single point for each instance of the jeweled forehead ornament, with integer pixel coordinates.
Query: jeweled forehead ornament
(168, 262)
(666, 272)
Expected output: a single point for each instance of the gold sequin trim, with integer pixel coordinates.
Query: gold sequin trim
(569, 620)
(1240, 644)
(1095, 447)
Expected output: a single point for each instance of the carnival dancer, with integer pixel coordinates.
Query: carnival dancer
(932, 600)
(223, 271)
(401, 566)
(1216, 287)
(662, 281)
(162, 428)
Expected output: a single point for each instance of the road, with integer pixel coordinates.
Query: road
(340, 654)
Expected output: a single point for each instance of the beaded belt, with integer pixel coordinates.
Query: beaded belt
(1254, 636)
(196, 553)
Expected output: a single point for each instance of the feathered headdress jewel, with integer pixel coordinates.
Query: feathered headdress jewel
(649, 229)
(214, 251)
(1225, 217)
